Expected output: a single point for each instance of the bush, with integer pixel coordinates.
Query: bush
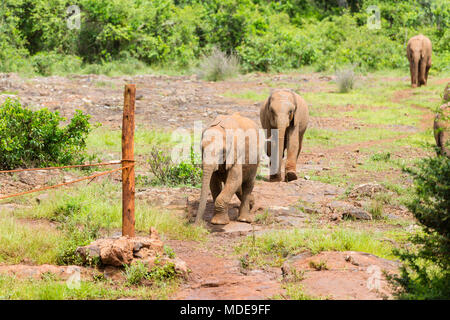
(168, 173)
(345, 79)
(218, 66)
(136, 273)
(36, 139)
(426, 270)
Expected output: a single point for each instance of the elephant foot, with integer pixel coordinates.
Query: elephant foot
(220, 218)
(245, 217)
(291, 176)
(275, 178)
(414, 85)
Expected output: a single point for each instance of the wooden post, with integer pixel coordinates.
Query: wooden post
(128, 189)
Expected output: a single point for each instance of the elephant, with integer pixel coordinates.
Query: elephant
(419, 51)
(442, 130)
(288, 112)
(229, 166)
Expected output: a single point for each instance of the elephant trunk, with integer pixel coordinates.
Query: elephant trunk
(281, 138)
(207, 173)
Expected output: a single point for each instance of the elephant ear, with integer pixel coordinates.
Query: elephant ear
(264, 114)
(301, 109)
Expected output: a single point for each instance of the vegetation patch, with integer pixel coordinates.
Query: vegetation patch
(99, 206)
(273, 247)
(36, 139)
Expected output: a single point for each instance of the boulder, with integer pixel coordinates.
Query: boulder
(345, 209)
(366, 190)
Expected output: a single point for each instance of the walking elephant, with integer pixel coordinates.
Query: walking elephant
(230, 159)
(288, 112)
(419, 51)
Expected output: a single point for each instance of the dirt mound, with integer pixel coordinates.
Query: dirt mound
(343, 275)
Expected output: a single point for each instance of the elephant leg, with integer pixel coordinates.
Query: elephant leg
(422, 72)
(273, 177)
(232, 184)
(293, 151)
(414, 67)
(215, 185)
(427, 70)
(247, 200)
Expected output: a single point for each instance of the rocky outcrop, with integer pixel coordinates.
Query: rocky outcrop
(120, 251)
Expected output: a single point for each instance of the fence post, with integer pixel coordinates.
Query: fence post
(128, 188)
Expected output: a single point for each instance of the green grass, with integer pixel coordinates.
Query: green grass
(330, 139)
(273, 247)
(295, 291)
(20, 242)
(250, 95)
(100, 204)
(12, 288)
(104, 139)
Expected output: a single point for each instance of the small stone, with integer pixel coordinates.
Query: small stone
(307, 177)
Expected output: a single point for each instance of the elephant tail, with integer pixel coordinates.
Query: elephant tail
(207, 173)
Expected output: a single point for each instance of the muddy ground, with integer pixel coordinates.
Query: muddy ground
(169, 102)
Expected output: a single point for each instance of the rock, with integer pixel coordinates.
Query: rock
(366, 190)
(307, 177)
(346, 209)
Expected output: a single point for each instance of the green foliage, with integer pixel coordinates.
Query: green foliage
(266, 35)
(135, 273)
(35, 138)
(426, 270)
(167, 172)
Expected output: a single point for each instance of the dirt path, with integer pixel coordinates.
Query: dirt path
(218, 275)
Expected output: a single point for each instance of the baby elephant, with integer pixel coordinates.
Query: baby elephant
(230, 159)
(442, 130)
(419, 51)
(288, 112)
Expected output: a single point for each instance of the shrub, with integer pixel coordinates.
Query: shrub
(166, 172)
(35, 138)
(135, 273)
(218, 66)
(426, 270)
(345, 79)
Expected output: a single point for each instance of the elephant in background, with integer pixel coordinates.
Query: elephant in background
(288, 112)
(223, 172)
(442, 129)
(419, 51)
